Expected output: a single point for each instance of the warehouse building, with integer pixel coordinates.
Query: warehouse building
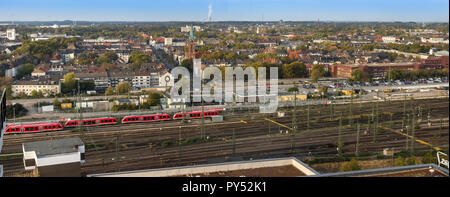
(54, 158)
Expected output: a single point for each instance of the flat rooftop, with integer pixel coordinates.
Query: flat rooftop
(281, 167)
(278, 171)
(52, 147)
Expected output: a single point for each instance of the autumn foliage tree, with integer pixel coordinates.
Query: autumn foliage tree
(123, 87)
(317, 72)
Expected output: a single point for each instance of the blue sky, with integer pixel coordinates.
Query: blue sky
(252, 10)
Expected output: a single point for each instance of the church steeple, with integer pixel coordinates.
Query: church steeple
(191, 34)
(190, 53)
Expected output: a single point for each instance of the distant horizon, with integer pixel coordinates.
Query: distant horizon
(435, 11)
(181, 21)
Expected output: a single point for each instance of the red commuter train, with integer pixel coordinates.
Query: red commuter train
(193, 115)
(33, 127)
(57, 126)
(91, 122)
(145, 118)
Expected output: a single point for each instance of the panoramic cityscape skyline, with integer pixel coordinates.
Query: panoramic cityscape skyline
(229, 10)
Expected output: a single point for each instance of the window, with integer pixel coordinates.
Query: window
(30, 162)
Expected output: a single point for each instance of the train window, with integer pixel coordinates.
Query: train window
(8, 130)
(27, 129)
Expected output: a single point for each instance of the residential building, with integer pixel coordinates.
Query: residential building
(389, 39)
(44, 84)
(11, 34)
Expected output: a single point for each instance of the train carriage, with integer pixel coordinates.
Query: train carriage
(33, 127)
(91, 122)
(194, 115)
(145, 118)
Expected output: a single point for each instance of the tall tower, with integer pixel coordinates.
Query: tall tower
(190, 53)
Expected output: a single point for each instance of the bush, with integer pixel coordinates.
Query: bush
(428, 158)
(166, 143)
(412, 161)
(17, 110)
(399, 161)
(352, 165)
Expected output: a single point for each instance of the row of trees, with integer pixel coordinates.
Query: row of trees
(359, 75)
(44, 49)
(121, 88)
(397, 74)
(138, 58)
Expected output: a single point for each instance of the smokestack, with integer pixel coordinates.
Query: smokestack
(209, 12)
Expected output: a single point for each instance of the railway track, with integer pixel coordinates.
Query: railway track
(140, 145)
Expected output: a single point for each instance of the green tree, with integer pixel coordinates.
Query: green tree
(83, 60)
(56, 103)
(154, 99)
(34, 93)
(352, 165)
(17, 110)
(187, 63)
(109, 91)
(294, 70)
(317, 72)
(395, 74)
(5, 83)
(358, 75)
(69, 82)
(24, 70)
(107, 57)
(137, 58)
(123, 87)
